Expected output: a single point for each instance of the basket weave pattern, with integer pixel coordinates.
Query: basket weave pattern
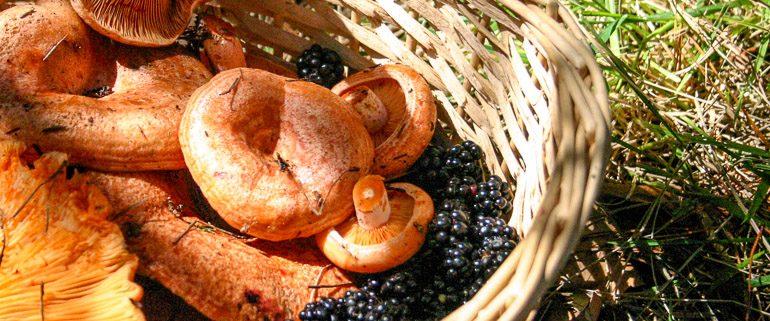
(514, 76)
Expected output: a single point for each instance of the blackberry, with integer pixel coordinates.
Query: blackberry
(438, 298)
(192, 38)
(430, 168)
(323, 309)
(320, 65)
(355, 305)
(457, 260)
(491, 198)
(494, 241)
(449, 226)
(438, 166)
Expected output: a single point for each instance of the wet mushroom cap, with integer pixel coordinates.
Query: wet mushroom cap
(401, 131)
(368, 243)
(276, 158)
(145, 23)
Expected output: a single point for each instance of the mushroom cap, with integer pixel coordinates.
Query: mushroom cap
(144, 23)
(352, 247)
(51, 59)
(276, 158)
(411, 115)
(61, 256)
(224, 50)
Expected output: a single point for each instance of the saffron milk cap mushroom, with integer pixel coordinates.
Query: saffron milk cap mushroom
(52, 63)
(144, 23)
(224, 49)
(389, 227)
(276, 158)
(396, 106)
(60, 258)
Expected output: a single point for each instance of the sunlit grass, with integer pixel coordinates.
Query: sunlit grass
(690, 168)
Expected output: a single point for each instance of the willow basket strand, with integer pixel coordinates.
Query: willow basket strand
(515, 76)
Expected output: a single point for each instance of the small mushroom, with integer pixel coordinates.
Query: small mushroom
(276, 158)
(145, 23)
(223, 50)
(397, 108)
(389, 227)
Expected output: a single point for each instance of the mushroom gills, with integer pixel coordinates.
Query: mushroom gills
(401, 206)
(390, 96)
(366, 244)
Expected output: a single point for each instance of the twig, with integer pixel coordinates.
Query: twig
(47, 218)
(189, 227)
(42, 302)
(330, 286)
(314, 292)
(29, 198)
(232, 87)
(128, 209)
(50, 51)
(751, 261)
(5, 238)
(322, 202)
(27, 13)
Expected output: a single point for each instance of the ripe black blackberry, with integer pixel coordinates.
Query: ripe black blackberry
(494, 241)
(320, 65)
(438, 165)
(400, 285)
(322, 310)
(192, 38)
(449, 226)
(438, 298)
(490, 198)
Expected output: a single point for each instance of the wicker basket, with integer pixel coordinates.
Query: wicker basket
(514, 76)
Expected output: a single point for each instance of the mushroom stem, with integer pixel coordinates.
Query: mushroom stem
(370, 199)
(373, 112)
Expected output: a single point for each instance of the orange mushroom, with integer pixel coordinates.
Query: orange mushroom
(397, 108)
(223, 49)
(145, 23)
(51, 60)
(60, 259)
(389, 227)
(276, 158)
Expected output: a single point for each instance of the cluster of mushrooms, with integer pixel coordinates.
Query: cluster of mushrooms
(276, 157)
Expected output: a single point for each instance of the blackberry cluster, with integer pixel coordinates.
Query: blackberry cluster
(354, 306)
(442, 171)
(449, 226)
(192, 38)
(490, 198)
(324, 309)
(320, 65)
(494, 241)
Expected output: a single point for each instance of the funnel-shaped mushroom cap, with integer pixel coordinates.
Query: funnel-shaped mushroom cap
(147, 23)
(276, 158)
(396, 106)
(388, 229)
(60, 259)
